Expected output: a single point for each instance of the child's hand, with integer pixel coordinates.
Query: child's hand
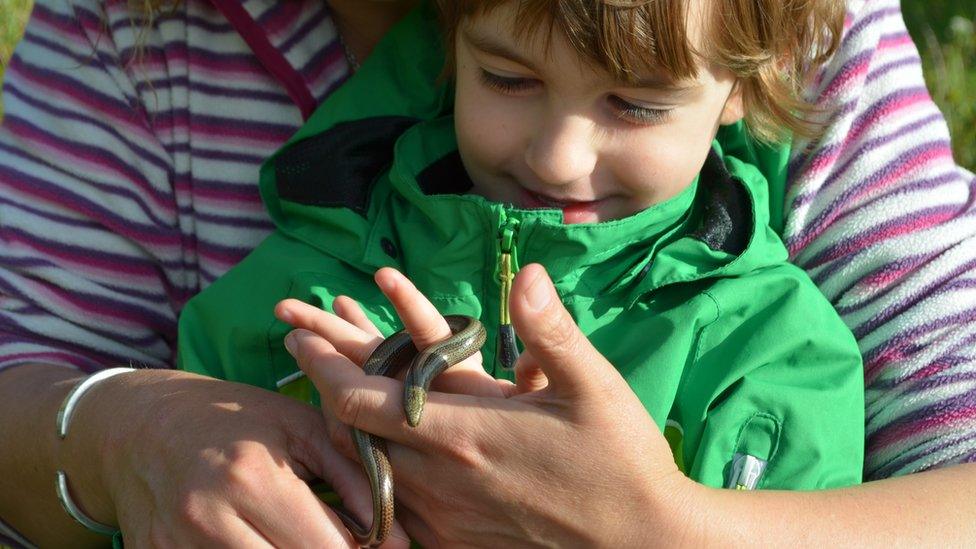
(427, 326)
(353, 335)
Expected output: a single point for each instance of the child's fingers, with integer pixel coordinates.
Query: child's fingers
(375, 403)
(348, 339)
(427, 327)
(350, 311)
(419, 316)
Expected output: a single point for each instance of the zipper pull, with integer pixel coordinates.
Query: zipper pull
(506, 350)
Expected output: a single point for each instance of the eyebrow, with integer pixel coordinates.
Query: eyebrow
(492, 46)
(498, 49)
(665, 84)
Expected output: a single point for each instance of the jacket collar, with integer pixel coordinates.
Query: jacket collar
(717, 227)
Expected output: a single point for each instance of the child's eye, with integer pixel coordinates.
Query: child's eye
(507, 84)
(635, 114)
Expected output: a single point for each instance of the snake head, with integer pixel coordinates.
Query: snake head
(413, 404)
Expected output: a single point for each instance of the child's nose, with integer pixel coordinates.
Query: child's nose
(563, 151)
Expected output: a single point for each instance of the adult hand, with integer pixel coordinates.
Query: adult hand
(197, 461)
(567, 457)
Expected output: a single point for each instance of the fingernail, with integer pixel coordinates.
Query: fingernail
(386, 284)
(537, 295)
(291, 343)
(285, 316)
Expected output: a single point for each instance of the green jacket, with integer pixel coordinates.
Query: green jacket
(693, 300)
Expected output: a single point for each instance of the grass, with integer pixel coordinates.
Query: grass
(943, 29)
(945, 34)
(13, 16)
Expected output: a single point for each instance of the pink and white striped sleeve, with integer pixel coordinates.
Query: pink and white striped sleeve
(884, 222)
(88, 222)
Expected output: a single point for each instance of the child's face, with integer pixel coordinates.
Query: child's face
(542, 129)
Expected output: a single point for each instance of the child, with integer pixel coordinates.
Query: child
(581, 139)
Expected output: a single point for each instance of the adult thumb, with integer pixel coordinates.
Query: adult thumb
(553, 339)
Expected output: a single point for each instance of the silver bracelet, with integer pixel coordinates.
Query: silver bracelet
(64, 418)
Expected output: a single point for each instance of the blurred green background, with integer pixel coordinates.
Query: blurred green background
(944, 33)
(942, 29)
(13, 16)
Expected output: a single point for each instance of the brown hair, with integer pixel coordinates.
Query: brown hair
(770, 45)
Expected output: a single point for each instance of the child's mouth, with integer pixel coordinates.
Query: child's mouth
(573, 211)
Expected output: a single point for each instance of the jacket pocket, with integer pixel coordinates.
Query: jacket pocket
(755, 452)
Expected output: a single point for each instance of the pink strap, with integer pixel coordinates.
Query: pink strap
(268, 55)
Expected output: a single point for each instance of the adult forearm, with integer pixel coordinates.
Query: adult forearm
(30, 454)
(931, 508)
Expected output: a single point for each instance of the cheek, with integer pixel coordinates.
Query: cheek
(481, 139)
(666, 163)
(487, 133)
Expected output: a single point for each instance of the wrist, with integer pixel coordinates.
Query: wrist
(102, 420)
(64, 417)
(674, 508)
(79, 460)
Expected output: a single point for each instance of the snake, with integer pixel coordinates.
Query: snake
(388, 359)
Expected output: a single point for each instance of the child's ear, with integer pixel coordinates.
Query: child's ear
(734, 109)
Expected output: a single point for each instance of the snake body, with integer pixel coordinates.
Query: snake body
(388, 359)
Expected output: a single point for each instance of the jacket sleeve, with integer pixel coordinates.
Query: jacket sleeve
(90, 248)
(882, 219)
(777, 377)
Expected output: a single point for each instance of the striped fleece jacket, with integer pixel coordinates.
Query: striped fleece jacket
(128, 182)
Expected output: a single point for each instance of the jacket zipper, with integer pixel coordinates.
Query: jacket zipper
(506, 349)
